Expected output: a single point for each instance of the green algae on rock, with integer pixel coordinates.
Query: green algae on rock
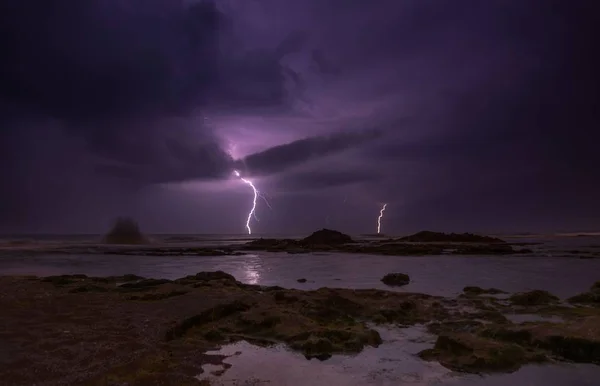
(533, 298)
(155, 330)
(592, 297)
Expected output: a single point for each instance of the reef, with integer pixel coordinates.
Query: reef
(420, 244)
(129, 330)
(439, 237)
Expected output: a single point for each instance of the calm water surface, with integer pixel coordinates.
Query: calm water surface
(439, 275)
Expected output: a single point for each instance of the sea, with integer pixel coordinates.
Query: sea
(564, 264)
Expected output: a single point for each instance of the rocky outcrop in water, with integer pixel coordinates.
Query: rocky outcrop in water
(125, 231)
(395, 279)
(439, 237)
(327, 237)
(420, 244)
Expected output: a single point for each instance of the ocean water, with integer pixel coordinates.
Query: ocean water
(554, 266)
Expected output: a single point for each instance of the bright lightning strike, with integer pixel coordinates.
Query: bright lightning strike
(379, 218)
(256, 195)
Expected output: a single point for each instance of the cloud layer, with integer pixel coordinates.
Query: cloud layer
(460, 115)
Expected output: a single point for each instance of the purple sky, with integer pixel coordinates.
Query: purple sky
(462, 115)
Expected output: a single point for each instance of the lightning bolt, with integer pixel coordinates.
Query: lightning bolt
(256, 195)
(379, 218)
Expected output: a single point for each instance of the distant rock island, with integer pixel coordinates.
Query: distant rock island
(419, 244)
(125, 231)
(328, 237)
(439, 237)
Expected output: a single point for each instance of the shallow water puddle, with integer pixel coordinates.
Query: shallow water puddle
(392, 363)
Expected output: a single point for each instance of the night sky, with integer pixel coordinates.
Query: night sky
(462, 115)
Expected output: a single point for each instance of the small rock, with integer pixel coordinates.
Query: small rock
(396, 279)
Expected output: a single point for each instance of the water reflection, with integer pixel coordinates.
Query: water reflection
(392, 363)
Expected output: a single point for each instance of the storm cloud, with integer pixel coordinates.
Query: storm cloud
(463, 115)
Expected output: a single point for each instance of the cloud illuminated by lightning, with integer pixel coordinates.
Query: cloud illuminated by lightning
(379, 218)
(256, 195)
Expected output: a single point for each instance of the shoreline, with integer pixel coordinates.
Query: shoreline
(131, 330)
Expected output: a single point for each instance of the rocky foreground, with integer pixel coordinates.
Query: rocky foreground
(133, 331)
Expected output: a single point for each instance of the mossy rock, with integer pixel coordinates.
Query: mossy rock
(396, 279)
(533, 298)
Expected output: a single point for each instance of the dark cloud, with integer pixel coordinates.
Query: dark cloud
(486, 111)
(283, 157)
(128, 80)
(307, 181)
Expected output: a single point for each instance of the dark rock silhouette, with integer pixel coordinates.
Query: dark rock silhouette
(592, 297)
(533, 298)
(432, 237)
(327, 237)
(473, 290)
(125, 231)
(396, 279)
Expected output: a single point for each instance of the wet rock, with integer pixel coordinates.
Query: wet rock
(472, 290)
(533, 298)
(592, 297)
(88, 288)
(396, 279)
(439, 328)
(213, 314)
(302, 280)
(577, 341)
(125, 231)
(428, 237)
(143, 284)
(469, 353)
(63, 280)
(158, 295)
(327, 237)
(207, 277)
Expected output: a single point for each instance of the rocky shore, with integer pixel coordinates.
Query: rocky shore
(129, 330)
(419, 244)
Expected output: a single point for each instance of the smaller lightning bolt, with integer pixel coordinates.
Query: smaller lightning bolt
(265, 200)
(251, 213)
(379, 218)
